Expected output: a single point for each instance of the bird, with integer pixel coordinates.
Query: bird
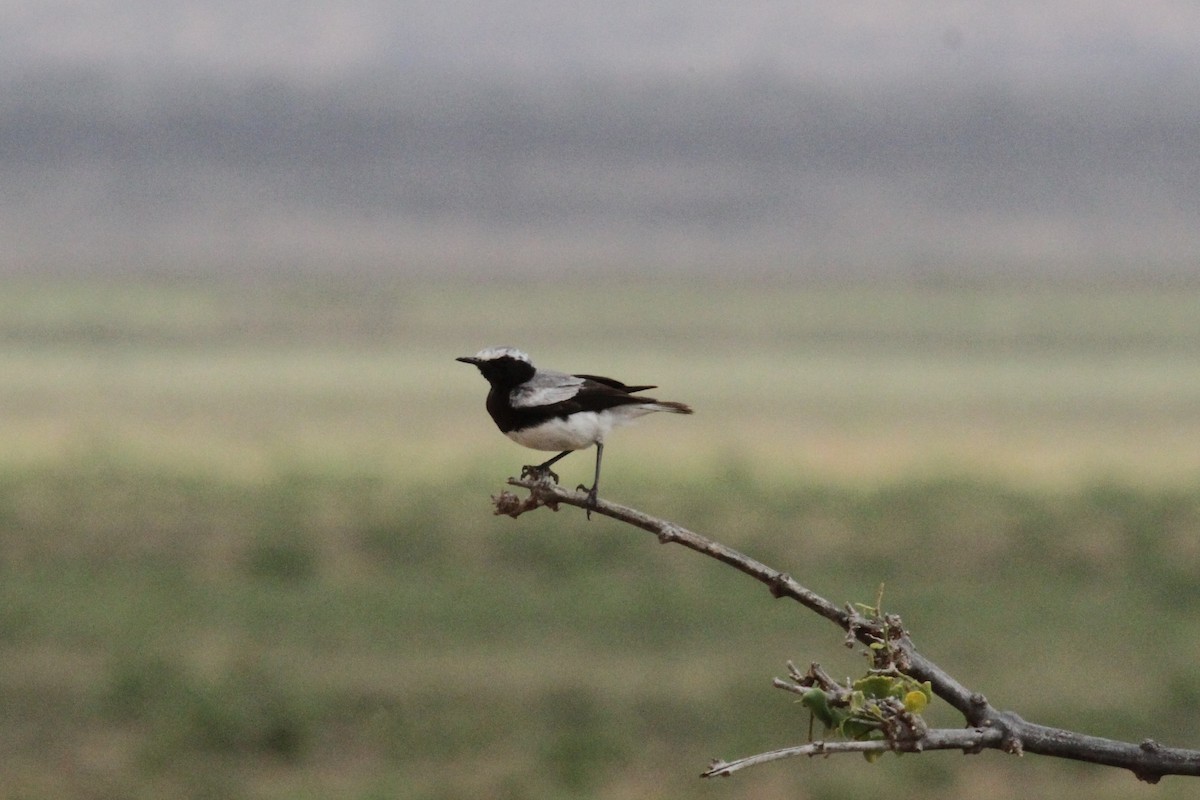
(547, 410)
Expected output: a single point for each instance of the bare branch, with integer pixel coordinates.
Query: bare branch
(987, 727)
(544, 492)
(969, 740)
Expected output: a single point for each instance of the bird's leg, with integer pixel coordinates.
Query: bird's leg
(543, 470)
(591, 498)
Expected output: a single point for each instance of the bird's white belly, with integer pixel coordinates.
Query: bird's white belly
(574, 433)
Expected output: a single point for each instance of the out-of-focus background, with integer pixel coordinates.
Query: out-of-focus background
(928, 272)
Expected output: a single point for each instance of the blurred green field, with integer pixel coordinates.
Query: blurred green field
(246, 548)
(1034, 385)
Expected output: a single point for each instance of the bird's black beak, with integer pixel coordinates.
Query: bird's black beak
(468, 360)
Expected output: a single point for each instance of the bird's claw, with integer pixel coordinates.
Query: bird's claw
(590, 506)
(538, 473)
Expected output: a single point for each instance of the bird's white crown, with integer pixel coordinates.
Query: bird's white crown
(494, 353)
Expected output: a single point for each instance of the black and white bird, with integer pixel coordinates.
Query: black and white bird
(547, 410)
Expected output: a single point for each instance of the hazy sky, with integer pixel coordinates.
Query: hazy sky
(490, 136)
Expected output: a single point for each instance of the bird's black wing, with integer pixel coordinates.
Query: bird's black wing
(550, 395)
(554, 394)
(614, 383)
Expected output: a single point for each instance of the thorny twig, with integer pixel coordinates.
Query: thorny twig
(986, 726)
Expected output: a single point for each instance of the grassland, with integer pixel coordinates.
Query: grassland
(246, 549)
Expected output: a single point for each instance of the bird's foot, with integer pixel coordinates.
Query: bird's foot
(590, 506)
(538, 472)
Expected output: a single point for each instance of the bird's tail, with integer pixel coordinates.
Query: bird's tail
(672, 406)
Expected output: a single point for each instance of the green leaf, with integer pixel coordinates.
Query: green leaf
(877, 686)
(816, 701)
(858, 728)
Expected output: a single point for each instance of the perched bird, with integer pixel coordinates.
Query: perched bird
(547, 410)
